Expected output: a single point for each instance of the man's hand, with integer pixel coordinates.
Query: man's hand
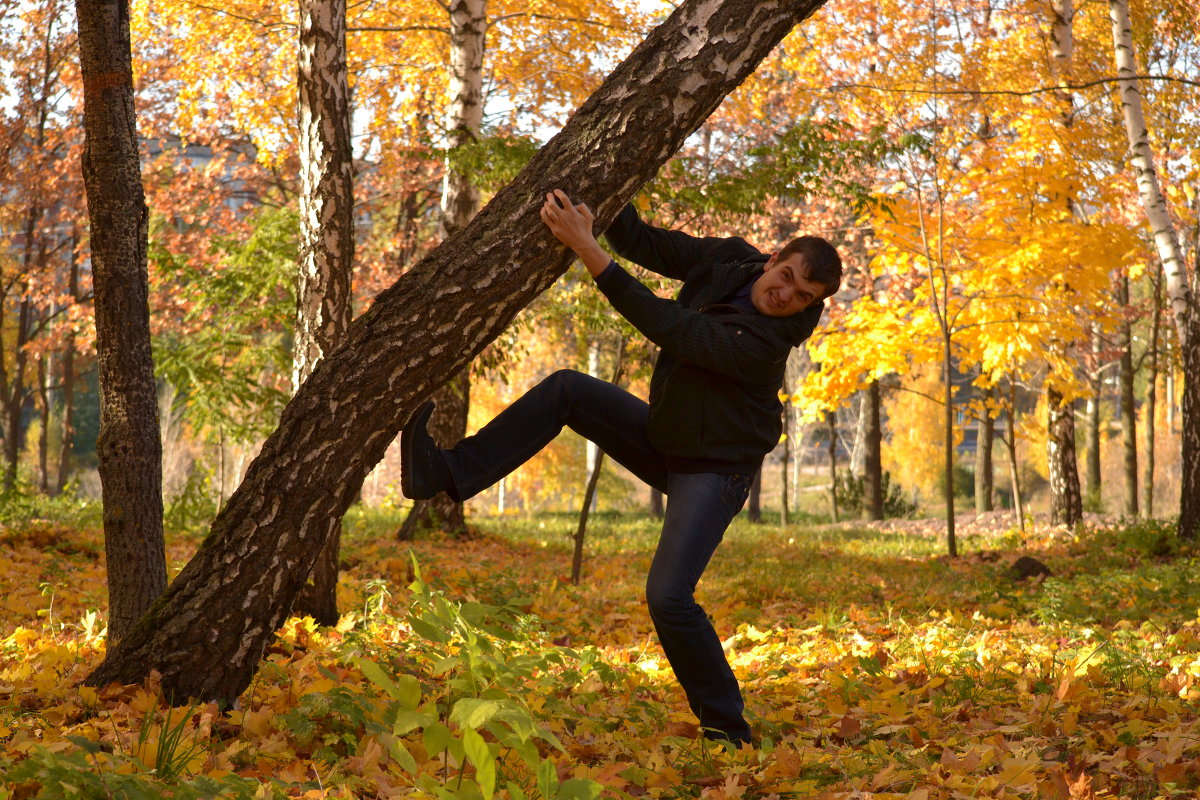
(571, 224)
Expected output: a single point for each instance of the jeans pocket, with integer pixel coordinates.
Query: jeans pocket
(737, 489)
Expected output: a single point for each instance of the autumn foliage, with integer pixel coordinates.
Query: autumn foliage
(473, 668)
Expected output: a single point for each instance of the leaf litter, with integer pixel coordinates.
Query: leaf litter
(872, 666)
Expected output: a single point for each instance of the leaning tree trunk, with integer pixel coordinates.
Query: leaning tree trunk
(128, 447)
(323, 292)
(460, 201)
(1066, 505)
(1166, 242)
(1128, 414)
(207, 634)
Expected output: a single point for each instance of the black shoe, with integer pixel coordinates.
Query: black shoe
(423, 470)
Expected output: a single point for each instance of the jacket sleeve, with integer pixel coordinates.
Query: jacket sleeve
(672, 254)
(739, 352)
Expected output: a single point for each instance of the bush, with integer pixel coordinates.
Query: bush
(964, 483)
(850, 496)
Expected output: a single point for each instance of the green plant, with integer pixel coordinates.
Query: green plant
(172, 749)
(89, 773)
(850, 493)
(195, 505)
(470, 709)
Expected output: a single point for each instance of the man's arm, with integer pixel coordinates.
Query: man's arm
(742, 352)
(669, 253)
(687, 334)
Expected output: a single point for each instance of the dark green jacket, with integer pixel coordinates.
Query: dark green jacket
(714, 393)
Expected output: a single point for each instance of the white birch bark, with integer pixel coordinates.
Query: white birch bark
(1154, 202)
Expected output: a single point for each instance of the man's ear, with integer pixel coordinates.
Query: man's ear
(771, 261)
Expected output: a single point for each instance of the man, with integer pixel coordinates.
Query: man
(713, 413)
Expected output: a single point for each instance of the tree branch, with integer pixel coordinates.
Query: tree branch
(548, 18)
(241, 18)
(400, 29)
(1007, 92)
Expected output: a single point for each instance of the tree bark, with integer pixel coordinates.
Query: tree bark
(324, 303)
(1092, 479)
(460, 202)
(873, 457)
(128, 447)
(1066, 505)
(656, 503)
(1166, 242)
(43, 381)
(983, 455)
(1128, 414)
(1014, 472)
(831, 422)
(1150, 419)
(589, 492)
(208, 632)
(858, 453)
(16, 392)
(948, 432)
(68, 380)
(754, 503)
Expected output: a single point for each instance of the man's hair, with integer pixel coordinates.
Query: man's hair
(821, 260)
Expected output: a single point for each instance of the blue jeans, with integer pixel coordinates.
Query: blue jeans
(700, 507)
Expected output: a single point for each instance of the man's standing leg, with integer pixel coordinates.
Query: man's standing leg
(699, 509)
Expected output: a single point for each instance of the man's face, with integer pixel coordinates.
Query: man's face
(783, 289)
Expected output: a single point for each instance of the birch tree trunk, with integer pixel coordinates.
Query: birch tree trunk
(1180, 293)
(207, 634)
(323, 298)
(460, 201)
(128, 447)
(1066, 504)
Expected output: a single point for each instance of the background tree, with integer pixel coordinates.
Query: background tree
(323, 294)
(460, 200)
(128, 446)
(1180, 291)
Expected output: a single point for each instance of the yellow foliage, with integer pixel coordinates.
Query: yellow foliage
(914, 449)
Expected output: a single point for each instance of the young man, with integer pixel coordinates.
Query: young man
(714, 411)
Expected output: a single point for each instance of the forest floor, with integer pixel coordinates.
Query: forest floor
(873, 665)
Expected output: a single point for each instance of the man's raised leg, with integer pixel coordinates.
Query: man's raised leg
(597, 410)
